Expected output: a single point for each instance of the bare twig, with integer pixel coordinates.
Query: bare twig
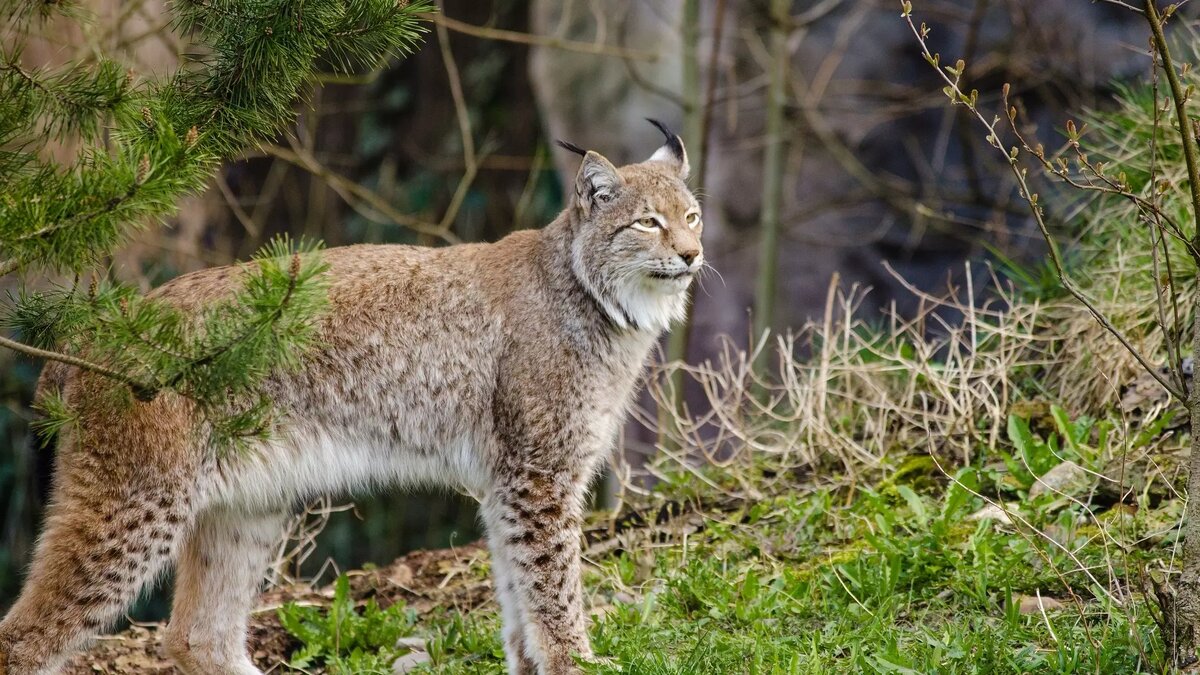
(464, 128)
(959, 97)
(231, 200)
(138, 388)
(353, 193)
(1171, 331)
(599, 49)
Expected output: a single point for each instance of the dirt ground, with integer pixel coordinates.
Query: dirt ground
(422, 579)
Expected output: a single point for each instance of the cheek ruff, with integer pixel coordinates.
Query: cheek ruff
(630, 295)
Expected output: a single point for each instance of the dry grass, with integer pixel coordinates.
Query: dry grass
(849, 390)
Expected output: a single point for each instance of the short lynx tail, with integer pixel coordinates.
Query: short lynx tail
(107, 534)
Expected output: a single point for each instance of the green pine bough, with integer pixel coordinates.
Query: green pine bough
(147, 144)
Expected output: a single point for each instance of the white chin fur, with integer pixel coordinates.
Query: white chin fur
(655, 304)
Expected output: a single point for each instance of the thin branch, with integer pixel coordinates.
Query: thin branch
(443, 21)
(139, 389)
(254, 328)
(959, 98)
(347, 188)
(464, 128)
(1126, 5)
(640, 80)
(813, 14)
(1191, 155)
(1095, 180)
(110, 205)
(1161, 306)
(231, 200)
(1172, 332)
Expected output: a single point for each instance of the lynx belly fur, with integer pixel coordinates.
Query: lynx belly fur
(503, 370)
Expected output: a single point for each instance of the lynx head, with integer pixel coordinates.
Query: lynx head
(636, 235)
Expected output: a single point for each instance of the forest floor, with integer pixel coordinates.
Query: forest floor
(422, 581)
(1038, 558)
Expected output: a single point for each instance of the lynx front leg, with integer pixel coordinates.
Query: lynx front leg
(519, 662)
(534, 525)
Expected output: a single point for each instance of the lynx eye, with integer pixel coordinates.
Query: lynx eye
(693, 219)
(647, 224)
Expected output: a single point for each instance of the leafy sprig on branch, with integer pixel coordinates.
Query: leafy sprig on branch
(147, 144)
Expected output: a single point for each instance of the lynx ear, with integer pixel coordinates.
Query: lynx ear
(597, 181)
(672, 151)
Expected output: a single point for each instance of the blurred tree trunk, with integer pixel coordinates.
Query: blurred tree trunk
(774, 153)
(694, 139)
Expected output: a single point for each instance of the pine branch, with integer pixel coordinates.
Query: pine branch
(264, 52)
(66, 220)
(72, 100)
(163, 141)
(261, 324)
(27, 9)
(138, 388)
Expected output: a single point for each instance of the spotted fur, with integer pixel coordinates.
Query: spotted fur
(504, 370)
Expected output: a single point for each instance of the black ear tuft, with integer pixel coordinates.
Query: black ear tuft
(673, 143)
(572, 147)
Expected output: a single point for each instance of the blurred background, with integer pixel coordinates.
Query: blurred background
(820, 141)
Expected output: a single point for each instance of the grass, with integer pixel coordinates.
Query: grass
(345, 639)
(898, 577)
(836, 519)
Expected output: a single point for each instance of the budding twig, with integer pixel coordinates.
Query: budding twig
(953, 89)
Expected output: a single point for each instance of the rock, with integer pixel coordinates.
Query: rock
(994, 512)
(409, 662)
(416, 644)
(1067, 478)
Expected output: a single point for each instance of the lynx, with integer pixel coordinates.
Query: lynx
(503, 370)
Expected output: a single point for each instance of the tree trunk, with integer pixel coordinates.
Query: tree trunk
(1186, 621)
(773, 158)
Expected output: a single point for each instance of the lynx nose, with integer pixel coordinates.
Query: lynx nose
(688, 256)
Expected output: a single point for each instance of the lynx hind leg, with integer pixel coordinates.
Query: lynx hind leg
(221, 565)
(107, 535)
